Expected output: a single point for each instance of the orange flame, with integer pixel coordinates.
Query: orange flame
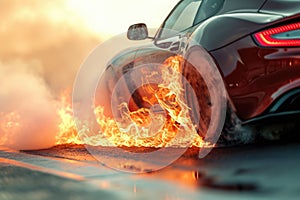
(67, 127)
(168, 124)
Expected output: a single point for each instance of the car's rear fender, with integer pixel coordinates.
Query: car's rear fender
(222, 30)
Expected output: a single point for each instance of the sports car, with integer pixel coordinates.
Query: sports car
(254, 46)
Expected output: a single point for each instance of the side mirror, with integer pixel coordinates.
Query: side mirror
(137, 32)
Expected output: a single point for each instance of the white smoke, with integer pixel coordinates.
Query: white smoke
(29, 119)
(42, 48)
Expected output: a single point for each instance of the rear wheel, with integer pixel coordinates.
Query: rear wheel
(183, 96)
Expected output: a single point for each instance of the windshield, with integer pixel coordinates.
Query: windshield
(187, 14)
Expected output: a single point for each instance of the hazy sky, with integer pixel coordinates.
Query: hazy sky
(114, 16)
(100, 16)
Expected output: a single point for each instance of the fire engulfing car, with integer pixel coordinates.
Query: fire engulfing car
(255, 46)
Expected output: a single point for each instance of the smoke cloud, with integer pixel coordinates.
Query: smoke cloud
(42, 47)
(28, 110)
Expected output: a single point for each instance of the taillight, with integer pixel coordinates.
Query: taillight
(282, 36)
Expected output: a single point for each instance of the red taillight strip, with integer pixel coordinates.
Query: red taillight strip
(265, 38)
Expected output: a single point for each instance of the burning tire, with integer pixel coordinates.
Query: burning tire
(164, 100)
(148, 104)
(150, 98)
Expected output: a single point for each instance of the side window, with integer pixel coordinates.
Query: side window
(208, 9)
(189, 13)
(181, 18)
(184, 19)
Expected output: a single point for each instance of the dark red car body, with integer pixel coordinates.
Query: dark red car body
(262, 79)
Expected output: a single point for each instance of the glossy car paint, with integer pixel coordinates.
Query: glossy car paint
(256, 77)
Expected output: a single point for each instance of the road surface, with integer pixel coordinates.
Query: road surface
(269, 171)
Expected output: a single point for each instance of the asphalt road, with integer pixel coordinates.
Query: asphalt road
(269, 171)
